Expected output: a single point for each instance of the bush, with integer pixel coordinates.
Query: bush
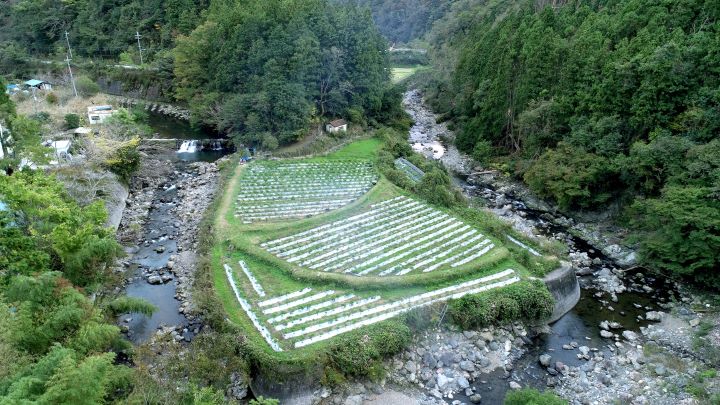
(51, 98)
(86, 87)
(530, 396)
(72, 121)
(526, 300)
(125, 160)
(360, 353)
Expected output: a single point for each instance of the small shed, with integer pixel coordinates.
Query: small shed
(97, 114)
(38, 84)
(61, 148)
(12, 89)
(338, 125)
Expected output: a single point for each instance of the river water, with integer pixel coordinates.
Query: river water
(158, 242)
(580, 326)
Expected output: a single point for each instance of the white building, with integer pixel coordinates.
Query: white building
(336, 126)
(97, 114)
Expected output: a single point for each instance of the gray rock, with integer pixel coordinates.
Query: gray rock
(467, 366)
(545, 360)
(606, 334)
(484, 362)
(429, 360)
(353, 400)
(475, 398)
(238, 388)
(660, 370)
(447, 358)
(410, 367)
(462, 382)
(442, 381)
(487, 336)
(655, 316)
(155, 279)
(494, 346)
(514, 385)
(630, 335)
(584, 350)
(470, 334)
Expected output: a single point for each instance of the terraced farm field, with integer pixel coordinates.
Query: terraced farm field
(312, 249)
(278, 190)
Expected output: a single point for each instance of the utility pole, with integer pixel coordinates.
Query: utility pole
(138, 36)
(67, 39)
(72, 79)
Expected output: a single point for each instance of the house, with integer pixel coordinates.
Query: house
(336, 126)
(97, 114)
(38, 84)
(61, 149)
(12, 89)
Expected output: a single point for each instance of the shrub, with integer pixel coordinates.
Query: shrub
(482, 151)
(86, 87)
(530, 396)
(527, 300)
(51, 98)
(360, 353)
(72, 121)
(125, 160)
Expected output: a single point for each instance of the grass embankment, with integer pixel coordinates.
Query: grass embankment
(234, 241)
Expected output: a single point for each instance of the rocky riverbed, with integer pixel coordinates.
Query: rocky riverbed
(159, 228)
(632, 338)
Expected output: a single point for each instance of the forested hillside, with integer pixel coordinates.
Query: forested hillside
(402, 21)
(97, 28)
(266, 70)
(592, 102)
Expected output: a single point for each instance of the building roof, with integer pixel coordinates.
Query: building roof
(338, 123)
(34, 82)
(100, 109)
(82, 130)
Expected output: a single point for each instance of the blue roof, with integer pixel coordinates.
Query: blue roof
(11, 86)
(34, 82)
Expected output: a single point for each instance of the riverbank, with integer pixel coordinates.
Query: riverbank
(594, 361)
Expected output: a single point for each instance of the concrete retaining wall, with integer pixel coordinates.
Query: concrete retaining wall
(565, 288)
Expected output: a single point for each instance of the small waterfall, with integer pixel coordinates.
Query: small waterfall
(189, 146)
(216, 145)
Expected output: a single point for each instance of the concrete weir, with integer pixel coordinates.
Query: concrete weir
(564, 287)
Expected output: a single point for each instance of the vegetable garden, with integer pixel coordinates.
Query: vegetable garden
(307, 250)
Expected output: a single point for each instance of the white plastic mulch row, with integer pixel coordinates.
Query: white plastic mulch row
(297, 303)
(311, 308)
(387, 311)
(283, 298)
(253, 281)
(349, 227)
(330, 312)
(298, 238)
(248, 311)
(395, 237)
(524, 246)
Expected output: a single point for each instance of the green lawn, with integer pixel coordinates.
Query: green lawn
(401, 73)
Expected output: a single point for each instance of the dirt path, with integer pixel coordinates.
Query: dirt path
(221, 223)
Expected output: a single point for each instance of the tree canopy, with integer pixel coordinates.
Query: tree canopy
(268, 69)
(592, 102)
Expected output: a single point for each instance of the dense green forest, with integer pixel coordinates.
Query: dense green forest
(402, 21)
(594, 102)
(267, 70)
(97, 28)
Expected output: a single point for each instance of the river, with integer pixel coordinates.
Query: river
(161, 250)
(578, 327)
